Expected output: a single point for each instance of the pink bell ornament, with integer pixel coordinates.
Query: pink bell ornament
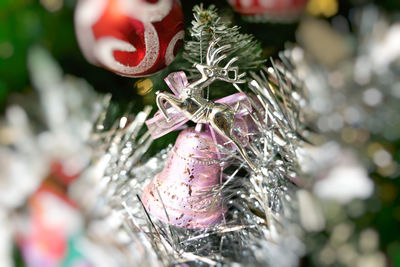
(181, 190)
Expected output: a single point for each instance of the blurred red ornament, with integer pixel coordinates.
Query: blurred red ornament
(130, 37)
(45, 235)
(269, 9)
(62, 175)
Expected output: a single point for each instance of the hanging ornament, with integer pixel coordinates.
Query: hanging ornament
(269, 10)
(130, 37)
(182, 191)
(188, 102)
(51, 229)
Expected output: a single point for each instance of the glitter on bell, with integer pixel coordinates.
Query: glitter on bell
(180, 193)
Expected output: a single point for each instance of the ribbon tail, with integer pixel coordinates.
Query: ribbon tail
(238, 98)
(159, 126)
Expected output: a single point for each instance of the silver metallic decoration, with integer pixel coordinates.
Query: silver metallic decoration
(272, 214)
(194, 106)
(261, 224)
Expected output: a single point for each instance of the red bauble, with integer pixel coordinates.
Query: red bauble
(269, 9)
(130, 37)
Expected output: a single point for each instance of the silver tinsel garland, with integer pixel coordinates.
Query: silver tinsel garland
(261, 225)
(269, 216)
(50, 125)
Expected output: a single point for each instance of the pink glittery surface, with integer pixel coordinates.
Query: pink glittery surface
(191, 171)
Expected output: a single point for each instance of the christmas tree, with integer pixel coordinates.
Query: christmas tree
(246, 133)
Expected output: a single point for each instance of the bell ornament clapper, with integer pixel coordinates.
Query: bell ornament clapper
(180, 193)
